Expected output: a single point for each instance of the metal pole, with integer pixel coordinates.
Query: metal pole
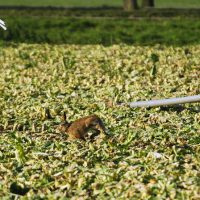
(165, 102)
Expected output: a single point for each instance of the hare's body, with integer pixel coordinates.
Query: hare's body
(79, 129)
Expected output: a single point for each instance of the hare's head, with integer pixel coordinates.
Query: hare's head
(64, 125)
(96, 123)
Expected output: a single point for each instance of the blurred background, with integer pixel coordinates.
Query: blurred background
(107, 22)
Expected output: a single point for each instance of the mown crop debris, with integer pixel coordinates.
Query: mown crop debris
(148, 153)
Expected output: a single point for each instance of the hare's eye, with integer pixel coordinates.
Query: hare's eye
(94, 123)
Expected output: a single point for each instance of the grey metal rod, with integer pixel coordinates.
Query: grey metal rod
(166, 102)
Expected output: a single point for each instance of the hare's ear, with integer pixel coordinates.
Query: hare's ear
(64, 117)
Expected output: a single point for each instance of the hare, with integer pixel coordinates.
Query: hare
(79, 128)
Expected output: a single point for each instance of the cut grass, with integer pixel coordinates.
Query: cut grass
(147, 154)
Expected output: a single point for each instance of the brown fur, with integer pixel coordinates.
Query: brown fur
(79, 128)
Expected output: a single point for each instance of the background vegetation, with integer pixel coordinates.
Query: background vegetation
(101, 25)
(158, 3)
(102, 31)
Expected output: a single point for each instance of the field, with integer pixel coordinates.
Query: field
(86, 61)
(146, 154)
(159, 3)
